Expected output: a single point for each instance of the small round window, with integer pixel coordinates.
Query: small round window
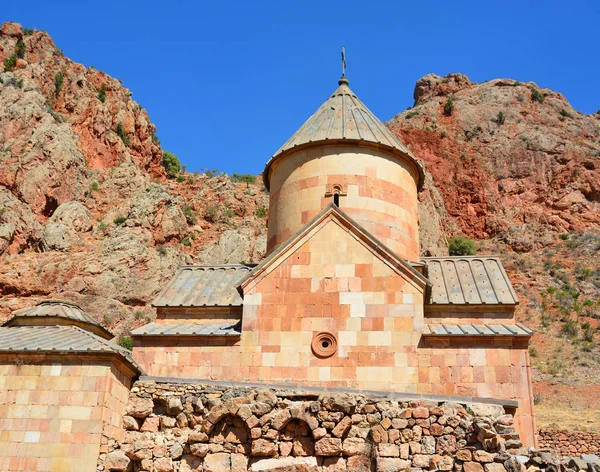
(324, 345)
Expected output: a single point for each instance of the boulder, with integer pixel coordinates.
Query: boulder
(140, 407)
(219, 462)
(116, 461)
(328, 447)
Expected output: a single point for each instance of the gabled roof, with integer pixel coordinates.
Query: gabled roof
(469, 280)
(60, 340)
(198, 286)
(189, 329)
(478, 330)
(344, 119)
(57, 312)
(331, 211)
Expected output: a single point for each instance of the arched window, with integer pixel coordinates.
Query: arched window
(336, 199)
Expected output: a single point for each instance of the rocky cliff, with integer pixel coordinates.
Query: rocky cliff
(86, 210)
(88, 214)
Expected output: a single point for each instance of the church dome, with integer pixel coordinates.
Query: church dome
(344, 119)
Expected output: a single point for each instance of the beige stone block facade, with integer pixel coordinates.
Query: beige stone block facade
(376, 314)
(59, 414)
(379, 192)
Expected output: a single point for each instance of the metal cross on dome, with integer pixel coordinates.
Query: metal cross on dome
(343, 61)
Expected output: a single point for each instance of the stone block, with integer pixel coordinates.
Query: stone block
(140, 407)
(389, 464)
(117, 461)
(353, 446)
(388, 450)
(421, 461)
(472, 467)
(130, 423)
(328, 447)
(264, 448)
(219, 462)
(239, 463)
(150, 424)
(190, 463)
(174, 406)
(342, 427)
(359, 463)
(164, 464)
(420, 412)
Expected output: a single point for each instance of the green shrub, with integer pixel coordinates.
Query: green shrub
(261, 212)
(443, 134)
(410, 114)
(537, 96)
(162, 251)
(565, 114)
(155, 139)
(126, 342)
(246, 178)
(229, 213)
(171, 163)
(58, 83)
(211, 213)
(122, 134)
(569, 328)
(564, 236)
(533, 352)
(120, 219)
(102, 93)
(500, 118)
(27, 31)
(10, 62)
(101, 226)
(210, 173)
(94, 186)
(460, 246)
(20, 49)
(180, 179)
(20, 83)
(190, 214)
(186, 241)
(449, 107)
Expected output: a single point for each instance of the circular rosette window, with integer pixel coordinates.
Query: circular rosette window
(324, 345)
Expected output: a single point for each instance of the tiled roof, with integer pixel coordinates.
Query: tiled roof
(476, 330)
(59, 339)
(473, 280)
(196, 286)
(188, 329)
(343, 117)
(64, 313)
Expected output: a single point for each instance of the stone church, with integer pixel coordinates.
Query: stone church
(342, 301)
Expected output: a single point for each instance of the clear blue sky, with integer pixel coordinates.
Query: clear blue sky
(226, 83)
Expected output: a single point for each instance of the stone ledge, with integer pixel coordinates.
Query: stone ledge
(398, 396)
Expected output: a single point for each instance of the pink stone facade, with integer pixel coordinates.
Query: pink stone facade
(58, 414)
(332, 279)
(379, 191)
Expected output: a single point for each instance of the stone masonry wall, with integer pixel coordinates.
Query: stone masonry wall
(56, 416)
(187, 427)
(570, 443)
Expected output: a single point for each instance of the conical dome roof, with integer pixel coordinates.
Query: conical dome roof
(344, 119)
(57, 312)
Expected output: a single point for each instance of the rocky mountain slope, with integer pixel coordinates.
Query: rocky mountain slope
(88, 214)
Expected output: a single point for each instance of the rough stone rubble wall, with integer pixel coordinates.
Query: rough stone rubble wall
(192, 427)
(570, 443)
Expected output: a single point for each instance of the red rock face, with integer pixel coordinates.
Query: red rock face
(503, 158)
